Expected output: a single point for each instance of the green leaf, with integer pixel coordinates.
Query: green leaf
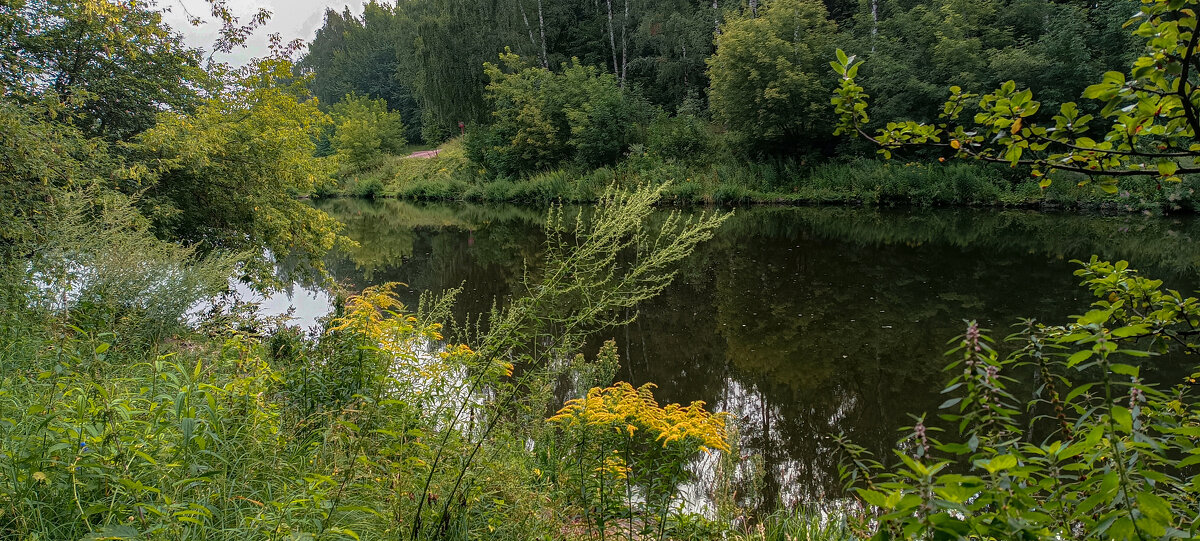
(1122, 418)
(853, 71)
(999, 463)
(1079, 357)
(1155, 507)
(874, 498)
(1190, 460)
(1124, 369)
(1131, 330)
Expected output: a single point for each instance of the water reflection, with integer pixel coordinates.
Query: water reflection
(802, 322)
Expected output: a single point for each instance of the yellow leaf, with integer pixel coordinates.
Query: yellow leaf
(954, 144)
(1016, 127)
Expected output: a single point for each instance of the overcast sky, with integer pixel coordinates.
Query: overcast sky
(290, 18)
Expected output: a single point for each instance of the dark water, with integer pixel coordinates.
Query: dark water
(802, 322)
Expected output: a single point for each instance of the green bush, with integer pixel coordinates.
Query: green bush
(369, 187)
(364, 130)
(684, 138)
(770, 78)
(101, 264)
(542, 119)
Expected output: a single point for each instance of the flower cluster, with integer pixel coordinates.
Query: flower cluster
(628, 410)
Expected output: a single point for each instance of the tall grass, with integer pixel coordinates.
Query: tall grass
(726, 179)
(384, 424)
(803, 524)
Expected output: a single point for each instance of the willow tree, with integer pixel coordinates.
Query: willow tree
(362, 55)
(451, 42)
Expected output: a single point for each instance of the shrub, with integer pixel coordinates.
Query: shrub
(101, 264)
(365, 130)
(542, 119)
(769, 79)
(684, 138)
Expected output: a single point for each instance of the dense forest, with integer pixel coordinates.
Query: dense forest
(143, 183)
(730, 102)
(426, 58)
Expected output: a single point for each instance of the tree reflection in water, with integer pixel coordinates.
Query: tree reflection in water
(803, 323)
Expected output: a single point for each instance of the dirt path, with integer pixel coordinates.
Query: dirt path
(424, 154)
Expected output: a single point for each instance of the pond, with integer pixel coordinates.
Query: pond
(803, 322)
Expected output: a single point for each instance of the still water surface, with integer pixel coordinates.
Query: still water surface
(801, 322)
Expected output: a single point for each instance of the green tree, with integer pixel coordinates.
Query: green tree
(114, 65)
(542, 118)
(364, 129)
(40, 160)
(363, 55)
(915, 50)
(226, 177)
(452, 40)
(767, 77)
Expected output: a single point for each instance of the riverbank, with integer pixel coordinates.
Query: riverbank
(450, 176)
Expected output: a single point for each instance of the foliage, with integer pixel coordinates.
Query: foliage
(40, 159)
(1095, 451)
(227, 176)
(361, 55)
(99, 261)
(618, 436)
(542, 118)
(113, 65)
(915, 50)
(766, 75)
(364, 129)
(798, 525)
(1151, 115)
(682, 137)
(376, 426)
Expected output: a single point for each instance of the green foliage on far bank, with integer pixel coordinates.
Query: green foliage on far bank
(542, 119)
(695, 180)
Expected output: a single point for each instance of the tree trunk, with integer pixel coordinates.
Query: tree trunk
(542, 30)
(754, 8)
(612, 41)
(624, 43)
(529, 29)
(686, 85)
(716, 18)
(874, 22)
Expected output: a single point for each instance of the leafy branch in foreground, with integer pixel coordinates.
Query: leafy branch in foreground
(596, 271)
(1153, 115)
(1095, 452)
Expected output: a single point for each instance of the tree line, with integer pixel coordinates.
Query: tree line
(758, 70)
